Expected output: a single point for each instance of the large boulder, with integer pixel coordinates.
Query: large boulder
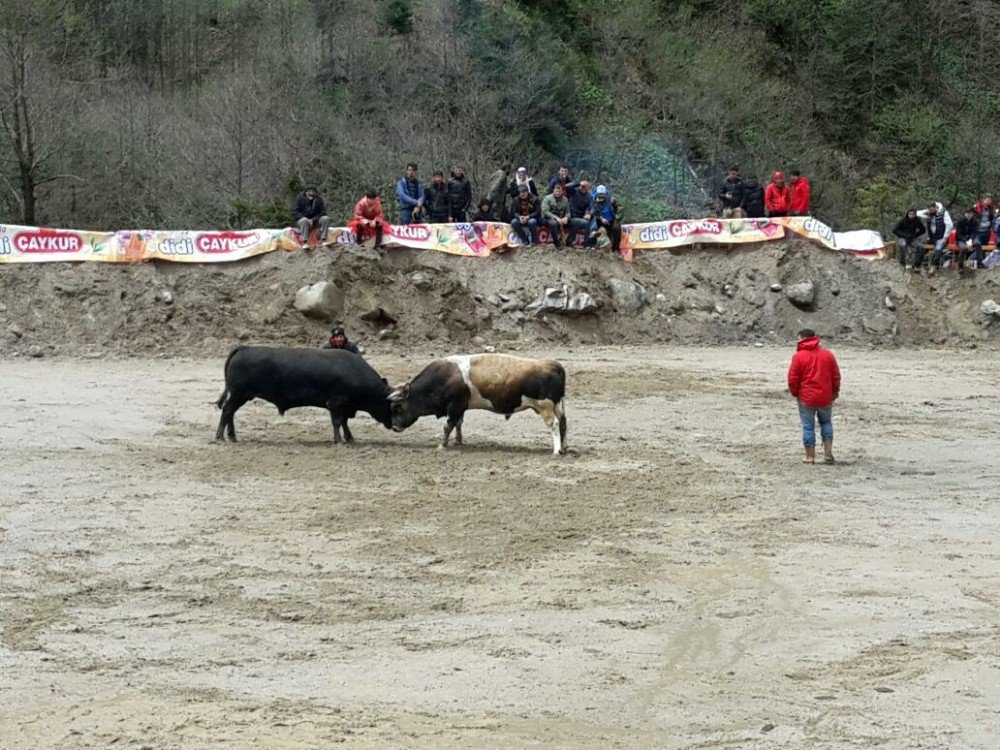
(322, 300)
(802, 294)
(563, 300)
(627, 296)
(990, 308)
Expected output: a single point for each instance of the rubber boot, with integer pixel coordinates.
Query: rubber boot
(828, 452)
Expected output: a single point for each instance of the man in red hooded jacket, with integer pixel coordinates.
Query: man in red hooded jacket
(801, 197)
(368, 218)
(814, 379)
(778, 196)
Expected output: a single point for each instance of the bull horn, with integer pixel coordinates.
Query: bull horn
(397, 394)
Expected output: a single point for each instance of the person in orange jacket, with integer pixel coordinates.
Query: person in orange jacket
(801, 194)
(368, 218)
(778, 196)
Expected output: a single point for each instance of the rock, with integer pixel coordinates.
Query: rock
(421, 281)
(879, 325)
(489, 349)
(719, 309)
(989, 307)
(272, 312)
(759, 345)
(690, 281)
(801, 294)
(15, 331)
(494, 300)
(165, 296)
(728, 290)
(477, 297)
(562, 300)
(511, 305)
(387, 333)
(479, 340)
(378, 316)
(890, 305)
(661, 297)
(3, 308)
(776, 287)
(627, 296)
(35, 351)
(323, 300)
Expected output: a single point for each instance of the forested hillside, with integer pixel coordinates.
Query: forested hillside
(184, 113)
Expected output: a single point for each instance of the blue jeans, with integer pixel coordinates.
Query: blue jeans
(809, 415)
(526, 237)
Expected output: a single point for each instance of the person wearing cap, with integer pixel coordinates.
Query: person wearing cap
(410, 192)
(309, 212)
(555, 213)
(338, 340)
(605, 214)
(801, 194)
(525, 210)
(579, 212)
(522, 178)
(814, 380)
(485, 211)
(778, 196)
(368, 218)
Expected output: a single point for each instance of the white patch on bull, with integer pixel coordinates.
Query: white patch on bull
(550, 413)
(464, 364)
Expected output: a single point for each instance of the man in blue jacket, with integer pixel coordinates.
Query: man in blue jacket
(410, 192)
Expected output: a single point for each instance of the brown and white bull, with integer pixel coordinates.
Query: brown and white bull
(498, 383)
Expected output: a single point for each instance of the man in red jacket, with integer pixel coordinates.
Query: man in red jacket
(801, 190)
(778, 196)
(814, 379)
(368, 218)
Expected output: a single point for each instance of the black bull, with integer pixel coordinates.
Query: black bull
(332, 379)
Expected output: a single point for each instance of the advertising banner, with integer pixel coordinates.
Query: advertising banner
(862, 242)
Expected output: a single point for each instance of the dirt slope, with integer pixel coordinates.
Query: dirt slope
(446, 302)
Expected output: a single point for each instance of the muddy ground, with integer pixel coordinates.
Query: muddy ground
(678, 580)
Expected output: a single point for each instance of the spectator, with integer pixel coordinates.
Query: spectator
(436, 200)
(485, 211)
(801, 194)
(525, 210)
(966, 237)
(778, 196)
(555, 213)
(521, 178)
(606, 214)
(814, 380)
(497, 192)
(459, 194)
(939, 228)
(908, 231)
(753, 199)
(368, 218)
(731, 195)
(309, 211)
(579, 211)
(338, 340)
(410, 192)
(562, 178)
(986, 214)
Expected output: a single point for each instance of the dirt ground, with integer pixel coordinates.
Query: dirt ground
(678, 580)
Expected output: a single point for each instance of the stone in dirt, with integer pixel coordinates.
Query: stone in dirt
(378, 316)
(34, 351)
(627, 296)
(775, 287)
(322, 300)
(562, 300)
(990, 307)
(421, 281)
(801, 294)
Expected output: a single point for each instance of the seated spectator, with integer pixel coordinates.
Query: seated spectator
(309, 211)
(410, 192)
(986, 214)
(731, 195)
(939, 228)
(368, 219)
(562, 178)
(521, 178)
(966, 237)
(436, 202)
(485, 211)
(753, 199)
(579, 211)
(459, 194)
(801, 194)
(606, 214)
(555, 213)
(525, 210)
(908, 231)
(778, 196)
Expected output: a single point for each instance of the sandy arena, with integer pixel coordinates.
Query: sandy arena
(679, 580)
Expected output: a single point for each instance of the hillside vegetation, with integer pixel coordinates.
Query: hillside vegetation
(183, 113)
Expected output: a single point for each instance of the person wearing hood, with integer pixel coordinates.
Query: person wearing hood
(368, 218)
(338, 340)
(908, 231)
(485, 211)
(309, 211)
(814, 381)
(606, 214)
(778, 196)
(939, 228)
(410, 192)
(459, 194)
(801, 194)
(522, 178)
(752, 202)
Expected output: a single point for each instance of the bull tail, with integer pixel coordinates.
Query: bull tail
(225, 369)
(561, 413)
(222, 398)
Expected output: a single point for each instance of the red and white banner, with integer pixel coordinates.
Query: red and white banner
(20, 244)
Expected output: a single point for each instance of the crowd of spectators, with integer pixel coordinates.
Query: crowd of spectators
(950, 243)
(749, 199)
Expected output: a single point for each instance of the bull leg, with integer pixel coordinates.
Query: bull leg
(223, 421)
(336, 427)
(226, 423)
(455, 417)
(458, 432)
(547, 410)
(348, 437)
